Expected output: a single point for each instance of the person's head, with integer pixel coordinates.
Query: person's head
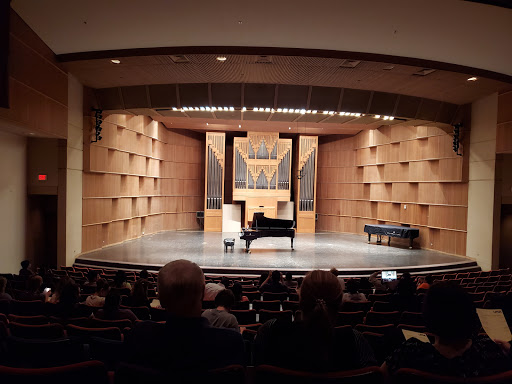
(237, 291)
(25, 264)
(276, 277)
(288, 276)
(181, 288)
(225, 282)
(112, 301)
(320, 295)
(3, 284)
(226, 299)
(92, 276)
(429, 279)
(140, 290)
(102, 287)
(334, 271)
(406, 276)
(449, 312)
(120, 278)
(352, 286)
(70, 293)
(263, 277)
(144, 274)
(34, 283)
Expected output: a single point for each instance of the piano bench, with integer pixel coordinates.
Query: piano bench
(229, 242)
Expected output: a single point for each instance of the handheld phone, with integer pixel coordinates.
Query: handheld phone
(46, 290)
(388, 276)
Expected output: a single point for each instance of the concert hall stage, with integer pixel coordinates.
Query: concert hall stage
(351, 254)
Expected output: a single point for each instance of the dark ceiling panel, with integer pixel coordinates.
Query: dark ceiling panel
(285, 116)
(163, 95)
(324, 98)
(194, 95)
(447, 113)
(227, 95)
(292, 96)
(135, 97)
(355, 100)
(383, 103)
(259, 116)
(407, 107)
(259, 95)
(109, 98)
(229, 115)
(428, 109)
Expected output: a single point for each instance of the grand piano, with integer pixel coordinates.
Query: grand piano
(266, 227)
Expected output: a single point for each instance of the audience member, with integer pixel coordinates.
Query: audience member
(211, 289)
(353, 293)
(120, 281)
(405, 298)
(68, 301)
(313, 344)
(450, 315)
(336, 273)
(139, 294)
(263, 278)
(92, 277)
(55, 294)
(111, 310)
(274, 284)
(365, 284)
(426, 283)
(220, 317)
(97, 299)
(186, 342)
(33, 291)
(289, 282)
(3, 285)
(237, 291)
(144, 274)
(25, 269)
(379, 285)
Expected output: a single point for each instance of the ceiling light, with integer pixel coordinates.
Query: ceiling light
(231, 109)
(201, 108)
(342, 113)
(302, 111)
(185, 108)
(214, 109)
(473, 78)
(326, 112)
(332, 113)
(239, 125)
(314, 111)
(279, 109)
(222, 58)
(386, 117)
(391, 118)
(197, 109)
(174, 108)
(267, 109)
(377, 116)
(244, 109)
(115, 61)
(308, 111)
(285, 110)
(358, 114)
(289, 127)
(206, 123)
(207, 108)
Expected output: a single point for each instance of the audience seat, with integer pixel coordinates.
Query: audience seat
(158, 314)
(245, 316)
(411, 327)
(256, 295)
(80, 321)
(27, 308)
(31, 320)
(265, 315)
(267, 305)
(81, 373)
(380, 297)
(356, 306)
(350, 318)
(5, 306)
(383, 306)
(242, 305)
(111, 333)
(142, 313)
(290, 306)
(43, 332)
(275, 375)
(477, 296)
(100, 323)
(3, 319)
(269, 296)
(412, 318)
(409, 375)
(382, 318)
(386, 329)
(293, 297)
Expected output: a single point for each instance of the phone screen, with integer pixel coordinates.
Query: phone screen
(388, 276)
(46, 290)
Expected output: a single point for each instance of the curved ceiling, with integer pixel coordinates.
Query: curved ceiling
(449, 31)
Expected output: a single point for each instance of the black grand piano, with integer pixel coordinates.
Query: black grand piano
(265, 227)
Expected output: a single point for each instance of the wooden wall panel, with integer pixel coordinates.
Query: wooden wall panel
(140, 179)
(396, 175)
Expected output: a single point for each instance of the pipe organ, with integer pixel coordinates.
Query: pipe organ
(305, 191)
(214, 181)
(261, 172)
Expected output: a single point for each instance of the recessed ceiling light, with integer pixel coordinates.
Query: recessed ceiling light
(31, 133)
(115, 61)
(289, 127)
(206, 123)
(473, 78)
(222, 58)
(239, 125)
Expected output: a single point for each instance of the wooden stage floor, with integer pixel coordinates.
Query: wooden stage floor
(351, 254)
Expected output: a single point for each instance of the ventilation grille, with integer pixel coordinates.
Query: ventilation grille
(179, 59)
(263, 59)
(424, 72)
(350, 63)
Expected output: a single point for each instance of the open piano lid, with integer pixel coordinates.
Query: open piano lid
(259, 221)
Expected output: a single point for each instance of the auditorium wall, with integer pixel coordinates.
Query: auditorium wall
(139, 179)
(395, 175)
(13, 194)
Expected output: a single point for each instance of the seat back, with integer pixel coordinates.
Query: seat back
(383, 306)
(378, 329)
(279, 315)
(111, 333)
(32, 320)
(412, 318)
(42, 332)
(409, 375)
(274, 305)
(269, 296)
(142, 313)
(290, 306)
(350, 318)
(5, 306)
(381, 318)
(356, 306)
(245, 316)
(81, 373)
(275, 375)
(27, 308)
(100, 323)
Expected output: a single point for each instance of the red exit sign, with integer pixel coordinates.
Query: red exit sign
(41, 177)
